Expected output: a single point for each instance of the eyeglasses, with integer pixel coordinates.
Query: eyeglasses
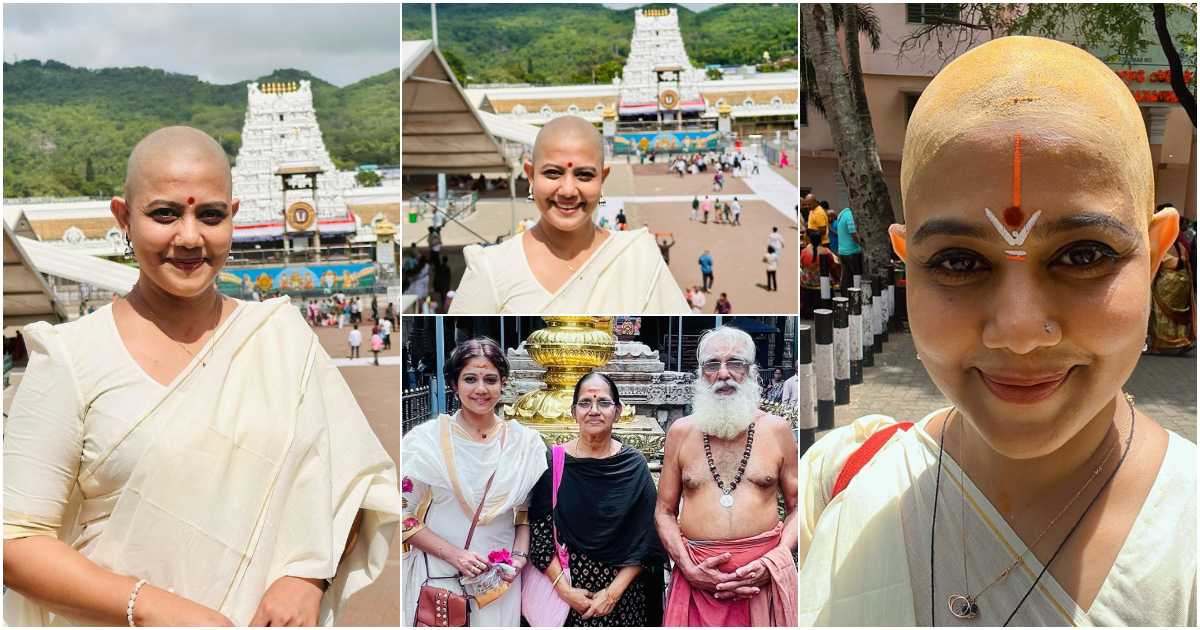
(735, 366)
(603, 404)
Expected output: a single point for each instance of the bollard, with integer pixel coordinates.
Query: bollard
(868, 340)
(806, 395)
(891, 301)
(876, 315)
(856, 345)
(884, 282)
(823, 365)
(841, 351)
(826, 284)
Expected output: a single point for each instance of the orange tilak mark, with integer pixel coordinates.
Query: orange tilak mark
(1016, 258)
(1013, 217)
(1017, 171)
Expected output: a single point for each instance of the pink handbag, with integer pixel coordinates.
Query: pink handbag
(540, 604)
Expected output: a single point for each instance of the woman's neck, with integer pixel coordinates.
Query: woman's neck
(479, 421)
(190, 316)
(596, 446)
(565, 243)
(1012, 485)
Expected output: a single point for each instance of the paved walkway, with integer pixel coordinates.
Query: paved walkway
(377, 391)
(1164, 388)
(776, 189)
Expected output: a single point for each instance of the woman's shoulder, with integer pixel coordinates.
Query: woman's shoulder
(494, 254)
(76, 333)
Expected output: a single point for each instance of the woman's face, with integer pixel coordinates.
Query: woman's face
(479, 386)
(180, 221)
(777, 375)
(566, 180)
(595, 410)
(1029, 346)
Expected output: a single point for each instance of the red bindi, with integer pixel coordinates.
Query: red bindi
(569, 164)
(1013, 217)
(191, 200)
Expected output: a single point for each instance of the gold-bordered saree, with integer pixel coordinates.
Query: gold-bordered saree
(258, 463)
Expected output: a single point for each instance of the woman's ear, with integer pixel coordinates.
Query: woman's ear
(898, 234)
(1164, 229)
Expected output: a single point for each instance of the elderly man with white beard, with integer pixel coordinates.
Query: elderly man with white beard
(729, 462)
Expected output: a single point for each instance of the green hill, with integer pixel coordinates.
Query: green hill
(559, 44)
(68, 131)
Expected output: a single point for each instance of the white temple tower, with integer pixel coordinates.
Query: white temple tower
(280, 130)
(658, 76)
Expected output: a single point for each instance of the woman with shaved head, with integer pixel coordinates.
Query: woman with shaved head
(566, 263)
(1041, 495)
(182, 458)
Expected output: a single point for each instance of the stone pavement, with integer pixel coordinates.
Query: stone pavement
(1164, 388)
(377, 390)
(737, 253)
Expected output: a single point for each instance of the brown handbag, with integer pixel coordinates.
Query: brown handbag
(441, 608)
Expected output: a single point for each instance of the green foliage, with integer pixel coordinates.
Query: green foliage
(713, 74)
(367, 179)
(562, 44)
(68, 131)
(1124, 31)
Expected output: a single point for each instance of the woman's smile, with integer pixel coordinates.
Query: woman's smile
(1020, 388)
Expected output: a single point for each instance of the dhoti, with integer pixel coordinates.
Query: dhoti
(774, 605)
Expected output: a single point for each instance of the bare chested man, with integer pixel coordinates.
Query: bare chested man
(730, 461)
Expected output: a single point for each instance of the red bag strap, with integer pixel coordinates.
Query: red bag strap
(859, 458)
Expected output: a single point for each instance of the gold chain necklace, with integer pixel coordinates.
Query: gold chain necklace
(158, 318)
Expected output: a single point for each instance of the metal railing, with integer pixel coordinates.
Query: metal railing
(416, 406)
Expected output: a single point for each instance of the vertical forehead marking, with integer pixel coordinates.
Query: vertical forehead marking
(1013, 215)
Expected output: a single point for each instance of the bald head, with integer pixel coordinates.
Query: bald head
(569, 129)
(167, 150)
(1050, 93)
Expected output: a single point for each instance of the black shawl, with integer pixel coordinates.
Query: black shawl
(605, 508)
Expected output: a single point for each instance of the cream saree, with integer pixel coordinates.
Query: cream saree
(625, 275)
(445, 471)
(865, 553)
(258, 461)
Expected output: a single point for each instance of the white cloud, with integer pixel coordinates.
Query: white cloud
(220, 44)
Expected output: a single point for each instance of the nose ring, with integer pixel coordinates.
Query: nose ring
(1049, 327)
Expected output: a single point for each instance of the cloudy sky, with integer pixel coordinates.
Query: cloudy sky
(219, 43)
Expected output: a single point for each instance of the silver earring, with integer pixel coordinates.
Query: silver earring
(128, 247)
(602, 201)
(529, 197)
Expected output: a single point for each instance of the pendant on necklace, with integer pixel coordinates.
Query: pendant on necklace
(963, 607)
(727, 501)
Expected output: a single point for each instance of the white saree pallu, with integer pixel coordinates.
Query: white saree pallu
(865, 553)
(258, 461)
(625, 275)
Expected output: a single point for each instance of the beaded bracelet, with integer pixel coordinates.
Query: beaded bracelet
(132, 600)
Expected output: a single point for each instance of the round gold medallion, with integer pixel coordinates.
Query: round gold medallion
(301, 216)
(668, 99)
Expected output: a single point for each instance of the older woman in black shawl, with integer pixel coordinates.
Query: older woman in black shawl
(604, 517)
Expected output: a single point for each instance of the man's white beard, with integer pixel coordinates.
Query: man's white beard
(724, 416)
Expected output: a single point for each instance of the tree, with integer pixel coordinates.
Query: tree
(1119, 29)
(837, 90)
(89, 172)
(713, 74)
(368, 179)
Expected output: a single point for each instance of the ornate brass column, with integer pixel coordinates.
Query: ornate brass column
(569, 347)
